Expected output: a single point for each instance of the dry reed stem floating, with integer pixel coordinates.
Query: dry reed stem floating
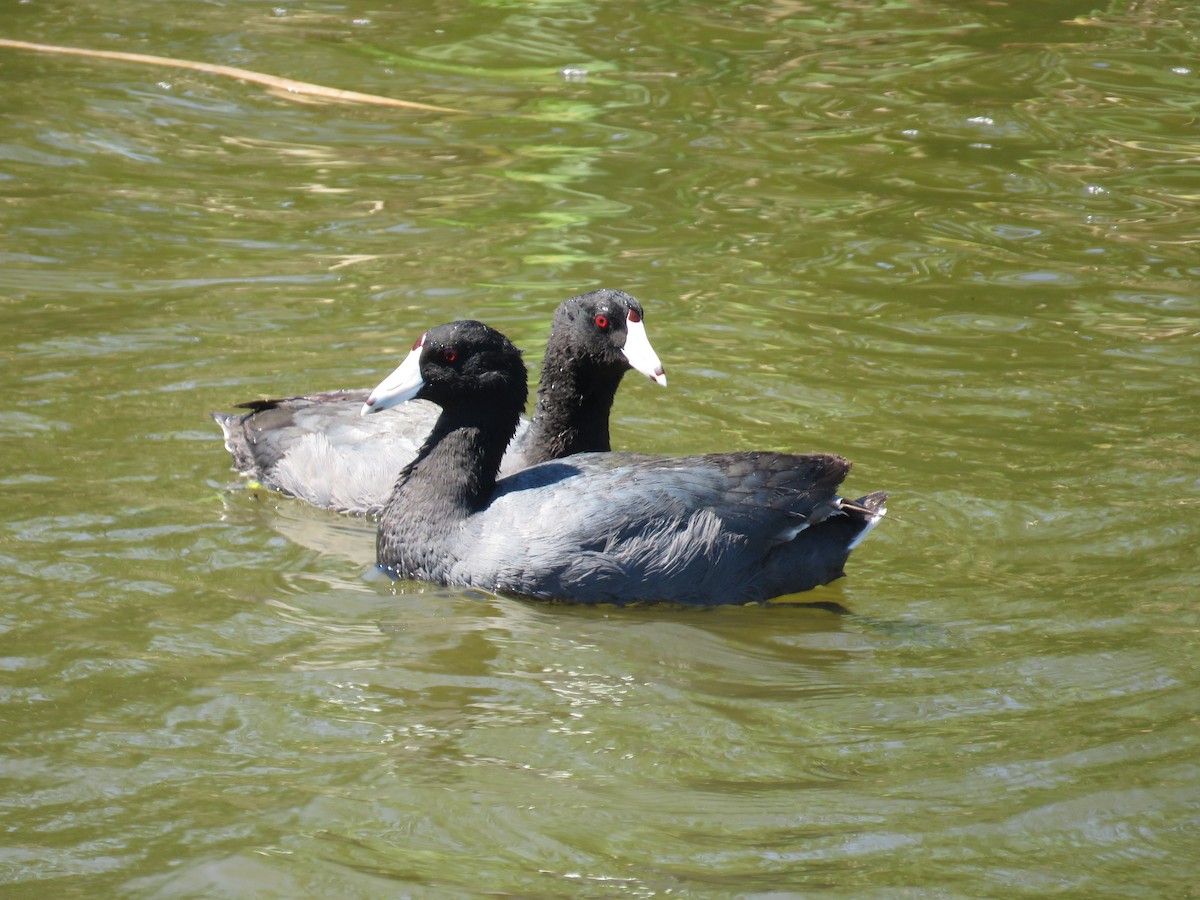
(285, 86)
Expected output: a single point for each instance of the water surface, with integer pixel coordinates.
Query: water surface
(954, 242)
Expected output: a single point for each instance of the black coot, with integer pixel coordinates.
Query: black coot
(317, 448)
(597, 527)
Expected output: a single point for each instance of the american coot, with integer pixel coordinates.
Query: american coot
(597, 527)
(319, 449)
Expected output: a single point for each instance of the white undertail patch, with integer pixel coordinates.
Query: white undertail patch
(872, 521)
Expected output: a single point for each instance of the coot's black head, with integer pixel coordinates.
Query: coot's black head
(462, 363)
(605, 329)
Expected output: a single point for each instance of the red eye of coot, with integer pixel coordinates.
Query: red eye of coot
(601, 320)
(633, 316)
(450, 355)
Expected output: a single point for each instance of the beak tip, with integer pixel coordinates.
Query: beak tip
(660, 376)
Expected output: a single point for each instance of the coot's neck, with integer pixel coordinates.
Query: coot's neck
(454, 474)
(575, 397)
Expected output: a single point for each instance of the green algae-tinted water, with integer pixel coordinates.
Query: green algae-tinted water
(954, 242)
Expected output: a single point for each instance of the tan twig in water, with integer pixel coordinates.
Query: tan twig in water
(284, 86)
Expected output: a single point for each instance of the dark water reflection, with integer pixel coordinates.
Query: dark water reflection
(955, 242)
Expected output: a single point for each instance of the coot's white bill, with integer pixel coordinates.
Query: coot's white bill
(638, 351)
(403, 384)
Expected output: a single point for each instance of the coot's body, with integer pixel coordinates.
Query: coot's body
(598, 527)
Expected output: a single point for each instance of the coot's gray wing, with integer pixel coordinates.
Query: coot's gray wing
(319, 449)
(617, 528)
